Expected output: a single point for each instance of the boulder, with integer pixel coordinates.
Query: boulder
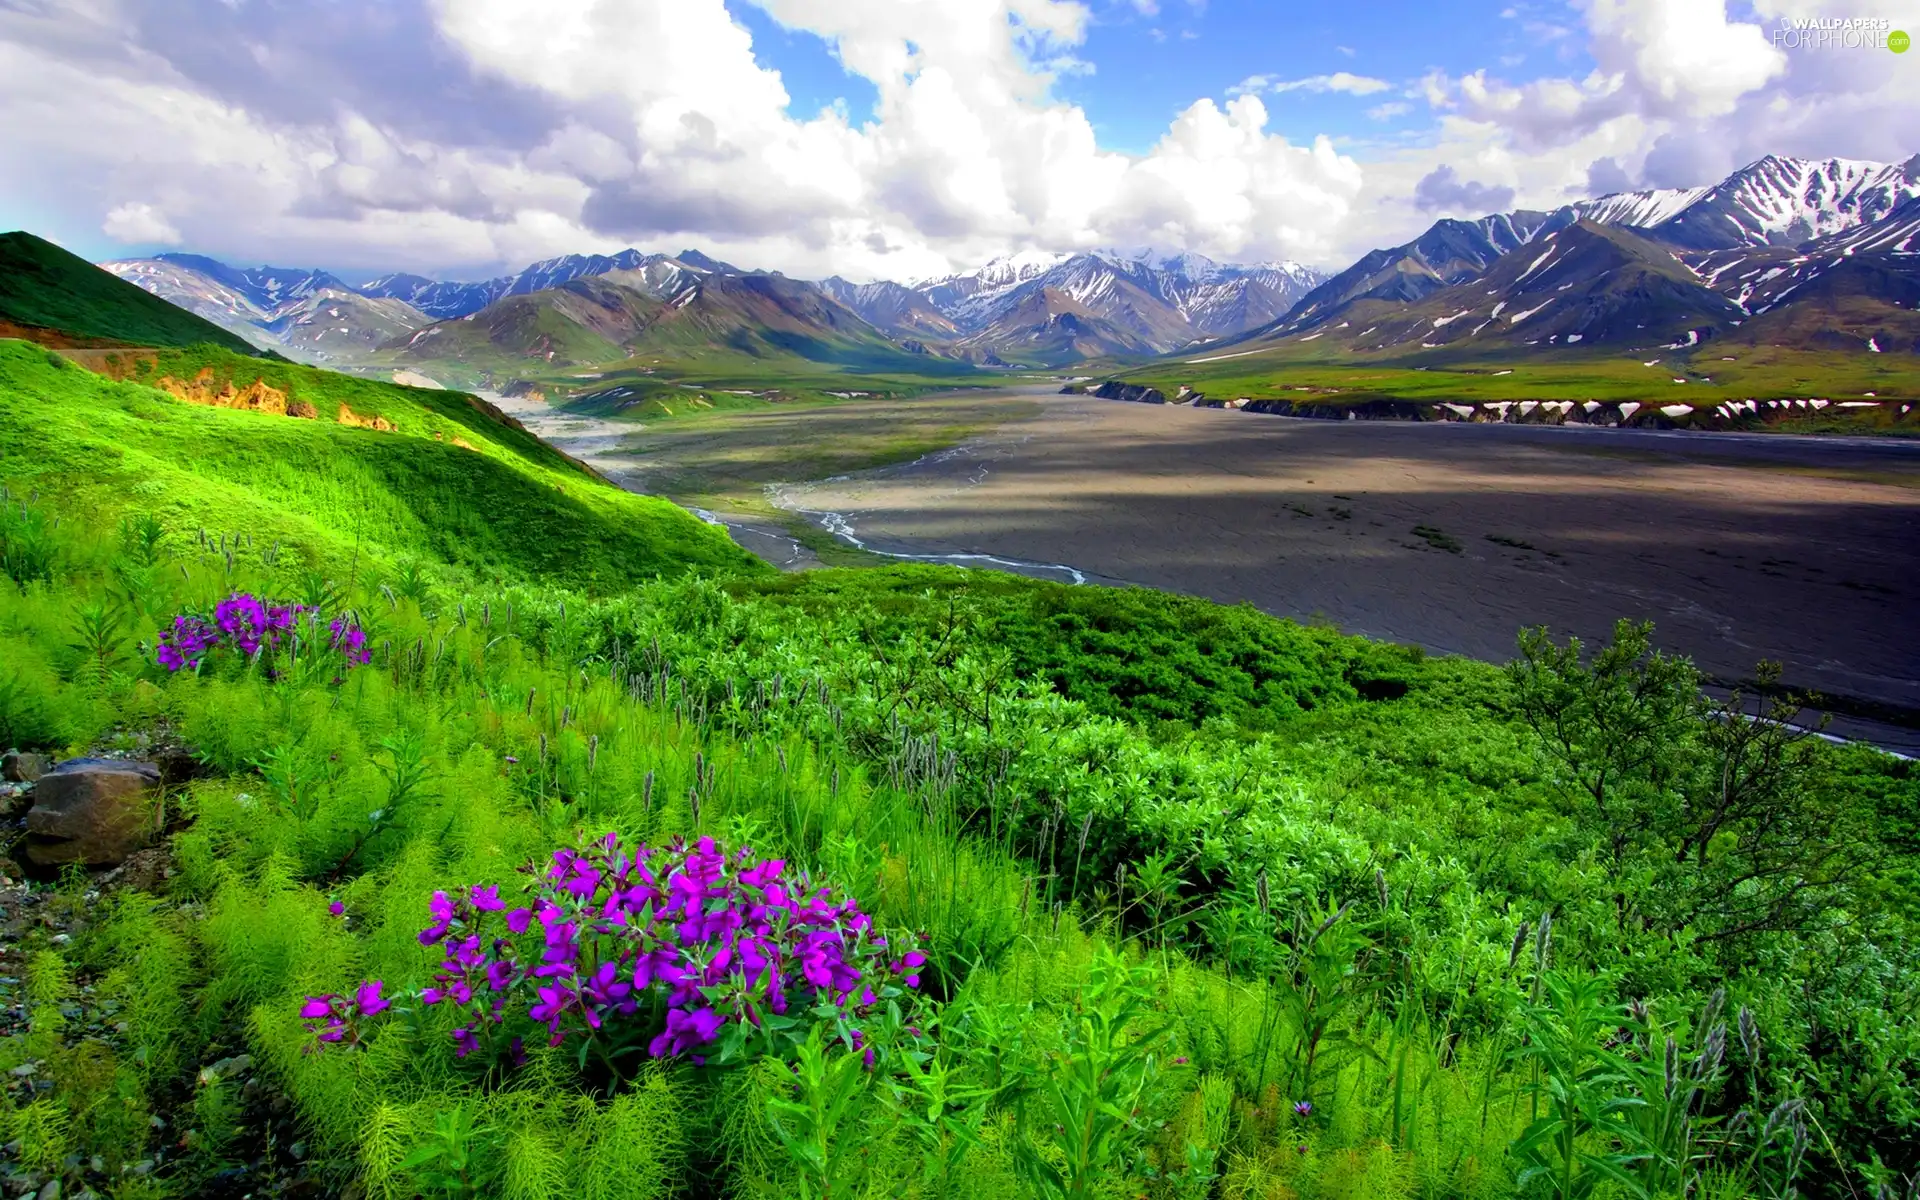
(1135, 393)
(20, 767)
(94, 811)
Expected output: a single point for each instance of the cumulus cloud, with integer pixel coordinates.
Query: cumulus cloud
(1679, 94)
(431, 134)
(136, 222)
(1442, 190)
(1657, 59)
(1605, 176)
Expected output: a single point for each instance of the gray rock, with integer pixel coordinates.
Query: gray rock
(19, 766)
(1137, 393)
(95, 811)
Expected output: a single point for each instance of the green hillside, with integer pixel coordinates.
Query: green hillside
(45, 287)
(448, 481)
(566, 851)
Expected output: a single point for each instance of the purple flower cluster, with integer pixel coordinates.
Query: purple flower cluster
(185, 646)
(250, 627)
(338, 1018)
(682, 947)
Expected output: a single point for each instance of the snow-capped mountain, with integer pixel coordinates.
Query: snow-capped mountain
(1130, 302)
(1786, 201)
(447, 300)
(311, 314)
(1736, 236)
(1449, 253)
(892, 307)
(1643, 209)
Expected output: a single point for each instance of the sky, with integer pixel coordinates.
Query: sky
(889, 138)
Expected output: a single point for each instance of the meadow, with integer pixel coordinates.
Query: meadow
(1179, 900)
(1708, 375)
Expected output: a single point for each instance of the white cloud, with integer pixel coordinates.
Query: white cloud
(140, 223)
(1339, 81)
(493, 132)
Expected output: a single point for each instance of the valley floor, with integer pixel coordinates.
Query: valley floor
(1805, 551)
(1738, 547)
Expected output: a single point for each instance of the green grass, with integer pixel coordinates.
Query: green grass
(504, 505)
(1197, 788)
(43, 286)
(1757, 372)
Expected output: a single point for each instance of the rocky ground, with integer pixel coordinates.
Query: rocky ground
(221, 1130)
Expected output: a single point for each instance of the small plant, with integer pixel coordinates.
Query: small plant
(446, 1164)
(1582, 1135)
(1090, 1121)
(29, 551)
(815, 1122)
(1439, 539)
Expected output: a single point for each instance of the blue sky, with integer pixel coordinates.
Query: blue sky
(1145, 68)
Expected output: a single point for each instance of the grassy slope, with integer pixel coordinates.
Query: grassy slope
(1757, 372)
(45, 287)
(509, 506)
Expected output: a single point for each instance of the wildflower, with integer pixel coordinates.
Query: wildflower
(252, 628)
(243, 619)
(337, 909)
(1302, 1108)
(442, 911)
(185, 646)
(691, 936)
(345, 637)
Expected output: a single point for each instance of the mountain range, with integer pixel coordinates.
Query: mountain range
(1805, 253)
(1030, 309)
(1832, 240)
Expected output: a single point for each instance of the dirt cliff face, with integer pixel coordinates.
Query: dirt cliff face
(348, 417)
(255, 397)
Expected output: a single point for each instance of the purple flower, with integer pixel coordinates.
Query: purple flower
(243, 619)
(185, 646)
(691, 936)
(442, 911)
(337, 909)
(346, 638)
(1302, 1107)
(249, 627)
